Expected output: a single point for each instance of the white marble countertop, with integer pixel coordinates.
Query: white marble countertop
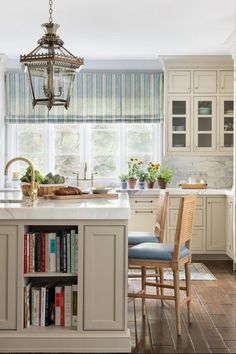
(103, 209)
(178, 191)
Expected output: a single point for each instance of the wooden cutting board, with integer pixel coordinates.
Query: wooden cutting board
(193, 185)
(81, 196)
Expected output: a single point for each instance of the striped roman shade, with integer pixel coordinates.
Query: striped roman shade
(96, 98)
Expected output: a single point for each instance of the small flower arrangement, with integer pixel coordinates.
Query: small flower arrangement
(123, 178)
(164, 176)
(152, 169)
(134, 165)
(142, 176)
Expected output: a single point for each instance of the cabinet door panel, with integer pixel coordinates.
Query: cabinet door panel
(197, 239)
(179, 82)
(216, 236)
(226, 81)
(198, 220)
(226, 120)
(104, 277)
(8, 270)
(204, 81)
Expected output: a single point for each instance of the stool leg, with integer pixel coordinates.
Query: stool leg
(143, 280)
(177, 301)
(161, 281)
(188, 290)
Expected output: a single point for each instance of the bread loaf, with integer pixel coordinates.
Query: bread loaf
(68, 191)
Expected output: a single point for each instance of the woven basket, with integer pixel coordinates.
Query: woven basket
(43, 189)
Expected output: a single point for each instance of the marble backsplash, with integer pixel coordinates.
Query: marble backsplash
(217, 169)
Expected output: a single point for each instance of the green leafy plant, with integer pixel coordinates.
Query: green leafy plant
(123, 178)
(134, 165)
(48, 179)
(165, 173)
(142, 176)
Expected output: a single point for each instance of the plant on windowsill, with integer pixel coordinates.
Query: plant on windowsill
(152, 170)
(134, 165)
(164, 176)
(123, 179)
(142, 177)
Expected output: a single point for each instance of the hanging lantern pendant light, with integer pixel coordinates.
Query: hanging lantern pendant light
(51, 68)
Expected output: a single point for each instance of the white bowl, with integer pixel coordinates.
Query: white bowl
(101, 190)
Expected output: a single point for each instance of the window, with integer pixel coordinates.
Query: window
(64, 149)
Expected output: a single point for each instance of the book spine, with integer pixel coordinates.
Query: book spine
(43, 306)
(68, 298)
(72, 251)
(49, 305)
(52, 252)
(31, 253)
(76, 253)
(58, 305)
(37, 307)
(38, 252)
(33, 307)
(63, 253)
(74, 305)
(58, 252)
(43, 252)
(46, 252)
(26, 256)
(62, 307)
(27, 294)
(68, 253)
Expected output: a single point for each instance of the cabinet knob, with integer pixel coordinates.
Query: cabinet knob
(222, 87)
(196, 87)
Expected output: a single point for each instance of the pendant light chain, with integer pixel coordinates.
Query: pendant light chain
(50, 11)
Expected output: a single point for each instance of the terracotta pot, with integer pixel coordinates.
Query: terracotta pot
(162, 183)
(150, 184)
(132, 183)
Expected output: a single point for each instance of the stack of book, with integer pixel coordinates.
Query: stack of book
(51, 252)
(49, 304)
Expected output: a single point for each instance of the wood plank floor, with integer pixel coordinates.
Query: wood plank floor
(213, 329)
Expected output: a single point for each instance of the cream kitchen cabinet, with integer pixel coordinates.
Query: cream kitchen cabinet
(104, 267)
(204, 81)
(179, 124)
(215, 226)
(179, 81)
(226, 123)
(226, 81)
(229, 228)
(205, 124)
(8, 277)
(143, 213)
(198, 84)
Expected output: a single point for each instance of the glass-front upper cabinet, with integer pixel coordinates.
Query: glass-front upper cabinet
(226, 123)
(204, 124)
(179, 124)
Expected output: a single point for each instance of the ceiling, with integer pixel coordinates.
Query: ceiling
(121, 30)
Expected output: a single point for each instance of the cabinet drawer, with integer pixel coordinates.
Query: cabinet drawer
(150, 203)
(197, 239)
(198, 220)
(174, 202)
(142, 220)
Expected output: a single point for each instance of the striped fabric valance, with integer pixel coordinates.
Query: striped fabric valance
(96, 98)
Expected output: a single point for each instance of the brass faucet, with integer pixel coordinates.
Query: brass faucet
(85, 176)
(34, 191)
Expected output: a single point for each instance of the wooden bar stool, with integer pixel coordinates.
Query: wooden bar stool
(169, 256)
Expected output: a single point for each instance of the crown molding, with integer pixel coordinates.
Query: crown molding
(196, 61)
(230, 43)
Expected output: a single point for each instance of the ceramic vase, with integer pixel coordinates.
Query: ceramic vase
(124, 184)
(141, 184)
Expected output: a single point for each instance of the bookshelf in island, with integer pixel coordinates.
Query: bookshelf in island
(63, 273)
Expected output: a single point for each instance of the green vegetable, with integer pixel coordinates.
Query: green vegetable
(48, 179)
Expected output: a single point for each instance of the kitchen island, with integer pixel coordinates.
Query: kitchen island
(101, 277)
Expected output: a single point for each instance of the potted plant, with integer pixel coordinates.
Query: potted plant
(123, 179)
(164, 176)
(152, 170)
(142, 177)
(133, 167)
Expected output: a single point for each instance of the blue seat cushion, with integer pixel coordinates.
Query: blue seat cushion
(156, 251)
(135, 238)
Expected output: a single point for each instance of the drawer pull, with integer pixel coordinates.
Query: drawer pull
(143, 211)
(143, 201)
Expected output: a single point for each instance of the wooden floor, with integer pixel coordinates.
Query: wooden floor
(213, 329)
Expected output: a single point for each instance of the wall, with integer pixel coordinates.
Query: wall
(219, 169)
